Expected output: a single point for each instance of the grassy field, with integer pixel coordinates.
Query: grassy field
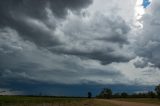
(142, 100)
(50, 101)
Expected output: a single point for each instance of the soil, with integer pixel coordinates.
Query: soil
(124, 103)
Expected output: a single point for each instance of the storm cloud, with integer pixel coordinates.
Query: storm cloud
(101, 38)
(76, 42)
(32, 18)
(148, 43)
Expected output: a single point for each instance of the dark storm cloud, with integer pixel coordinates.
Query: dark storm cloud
(18, 81)
(115, 39)
(141, 63)
(24, 61)
(59, 7)
(119, 29)
(53, 38)
(102, 56)
(30, 17)
(37, 8)
(103, 38)
(37, 88)
(30, 20)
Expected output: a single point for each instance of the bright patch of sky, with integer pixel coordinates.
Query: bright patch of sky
(140, 8)
(146, 3)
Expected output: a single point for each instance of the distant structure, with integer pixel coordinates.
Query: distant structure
(89, 95)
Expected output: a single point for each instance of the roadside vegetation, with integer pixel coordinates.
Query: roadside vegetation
(106, 93)
(151, 97)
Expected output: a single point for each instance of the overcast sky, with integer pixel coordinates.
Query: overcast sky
(48, 45)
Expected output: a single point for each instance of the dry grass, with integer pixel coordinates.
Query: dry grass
(142, 100)
(50, 101)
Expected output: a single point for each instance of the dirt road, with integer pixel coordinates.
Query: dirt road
(124, 103)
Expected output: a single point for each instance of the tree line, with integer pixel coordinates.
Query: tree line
(107, 93)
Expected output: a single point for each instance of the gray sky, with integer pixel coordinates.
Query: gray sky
(74, 42)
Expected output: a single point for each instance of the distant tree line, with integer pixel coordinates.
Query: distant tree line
(107, 93)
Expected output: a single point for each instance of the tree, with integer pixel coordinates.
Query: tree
(157, 89)
(89, 95)
(116, 95)
(124, 95)
(151, 94)
(106, 93)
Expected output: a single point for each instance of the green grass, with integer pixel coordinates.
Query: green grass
(25, 99)
(50, 101)
(142, 100)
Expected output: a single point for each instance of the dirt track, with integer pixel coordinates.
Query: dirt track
(124, 103)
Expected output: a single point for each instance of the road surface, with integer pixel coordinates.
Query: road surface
(124, 103)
